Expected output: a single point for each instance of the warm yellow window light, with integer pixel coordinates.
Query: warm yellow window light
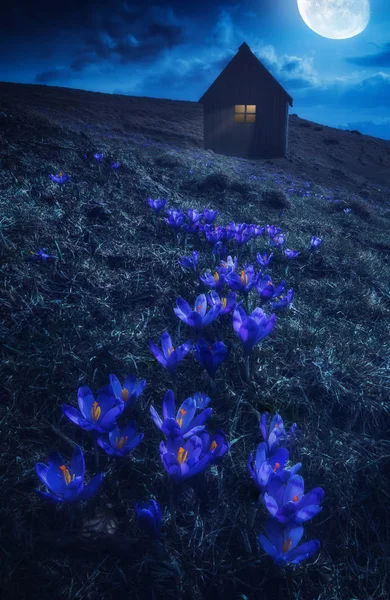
(245, 113)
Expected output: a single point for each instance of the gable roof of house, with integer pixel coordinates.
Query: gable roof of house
(245, 51)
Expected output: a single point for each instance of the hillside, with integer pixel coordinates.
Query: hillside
(332, 158)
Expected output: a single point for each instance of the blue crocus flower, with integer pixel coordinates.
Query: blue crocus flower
(281, 543)
(266, 288)
(286, 501)
(181, 458)
(149, 517)
(190, 262)
(184, 422)
(175, 218)
(41, 255)
(228, 302)
(122, 442)
(347, 210)
(265, 465)
(276, 432)
(283, 301)
(245, 281)
(216, 282)
(66, 485)
(215, 446)
(99, 414)
(194, 216)
(115, 165)
(196, 318)
(251, 329)
(209, 215)
(129, 392)
(272, 230)
(60, 178)
(263, 260)
(157, 204)
(291, 253)
(169, 357)
(315, 242)
(98, 157)
(211, 356)
(277, 240)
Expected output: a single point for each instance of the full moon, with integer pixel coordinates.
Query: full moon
(335, 19)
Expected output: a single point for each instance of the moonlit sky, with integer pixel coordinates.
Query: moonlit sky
(175, 49)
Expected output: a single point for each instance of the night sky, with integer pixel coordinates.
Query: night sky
(172, 49)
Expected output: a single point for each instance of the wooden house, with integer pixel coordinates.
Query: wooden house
(245, 110)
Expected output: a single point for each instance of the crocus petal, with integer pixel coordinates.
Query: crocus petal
(91, 488)
(271, 504)
(51, 478)
(307, 512)
(155, 416)
(182, 307)
(75, 416)
(198, 421)
(116, 387)
(304, 551)
(166, 343)
(294, 489)
(50, 497)
(78, 465)
(158, 354)
(212, 314)
(168, 405)
(267, 546)
(85, 399)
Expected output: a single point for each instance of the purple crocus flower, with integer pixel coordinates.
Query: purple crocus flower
(216, 282)
(283, 301)
(265, 465)
(291, 253)
(175, 218)
(190, 262)
(60, 178)
(256, 230)
(263, 260)
(347, 210)
(228, 303)
(157, 204)
(209, 215)
(122, 442)
(272, 230)
(169, 357)
(286, 502)
(194, 216)
(211, 356)
(266, 288)
(196, 318)
(274, 432)
(41, 255)
(149, 517)
(99, 414)
(98, 157)
(181, 458)
(315, 242)
(115, 165)
(130, 390)
(215, 446)
(213, 234)
(277, 240)
(184, 422)
(251, 329)
(66, 485)
(229, 265)
(245, 281)
(281, 543)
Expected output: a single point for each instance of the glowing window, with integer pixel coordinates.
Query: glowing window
(245, 113)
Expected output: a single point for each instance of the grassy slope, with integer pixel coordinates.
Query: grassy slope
(325, 366)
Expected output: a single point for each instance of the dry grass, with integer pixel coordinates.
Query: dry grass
(113, 287)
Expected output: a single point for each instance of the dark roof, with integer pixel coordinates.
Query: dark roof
(262, 70)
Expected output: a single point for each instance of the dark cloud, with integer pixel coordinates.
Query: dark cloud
(379, 130)
(291, 64)
(382, 59)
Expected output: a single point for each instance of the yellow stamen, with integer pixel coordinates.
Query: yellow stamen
(216, 276)
(66, 474)
(244, 278)
(182, 455)
(95, 411)
(182, 412)
(224, 302)
(213, 446)
(287, 545)
(277, 465)
(125, 394)
(170, 350)
(120, 442)
(60, 173)
(295, 498)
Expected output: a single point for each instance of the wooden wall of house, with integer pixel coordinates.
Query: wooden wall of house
(267, 136)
